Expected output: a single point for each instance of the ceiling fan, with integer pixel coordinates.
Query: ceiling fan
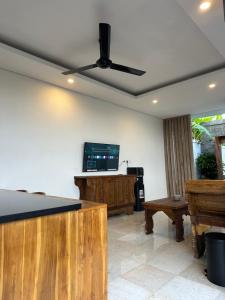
(104, 61)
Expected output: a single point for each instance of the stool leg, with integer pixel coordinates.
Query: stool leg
(149, 221)
(179, 228)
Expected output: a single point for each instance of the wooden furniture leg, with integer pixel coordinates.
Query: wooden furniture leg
(198, 240)
(130, 210)
(149, 221)
(200, 245)
(179, 228)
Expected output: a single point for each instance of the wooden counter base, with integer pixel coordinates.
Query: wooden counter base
(62, 256)
(117, 191)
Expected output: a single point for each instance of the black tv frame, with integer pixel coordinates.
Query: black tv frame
(84, 169)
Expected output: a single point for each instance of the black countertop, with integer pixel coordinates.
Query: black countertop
(18, 205)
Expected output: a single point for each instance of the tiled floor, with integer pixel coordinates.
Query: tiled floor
(155, 267)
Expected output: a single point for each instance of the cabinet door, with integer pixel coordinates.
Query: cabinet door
(94, 190)
(130, 189)
(110, 186)
(121, 192)
(126, 191)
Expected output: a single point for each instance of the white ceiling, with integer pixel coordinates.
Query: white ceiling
(169, 39)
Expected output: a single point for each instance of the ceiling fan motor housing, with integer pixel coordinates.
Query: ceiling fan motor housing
(104, 63)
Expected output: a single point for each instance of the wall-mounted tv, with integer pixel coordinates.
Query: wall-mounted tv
(100, 157)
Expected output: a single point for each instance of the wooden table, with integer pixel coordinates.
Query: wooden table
(173, 209)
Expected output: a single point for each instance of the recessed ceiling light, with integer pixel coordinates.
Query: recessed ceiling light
(212, 85)
(155, 101)
(70, 80)
(205, 5)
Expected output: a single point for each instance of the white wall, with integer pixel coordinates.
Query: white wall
(43, 128)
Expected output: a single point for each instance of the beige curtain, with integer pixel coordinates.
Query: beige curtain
(178, 153)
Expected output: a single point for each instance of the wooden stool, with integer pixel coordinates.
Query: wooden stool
(173, 209)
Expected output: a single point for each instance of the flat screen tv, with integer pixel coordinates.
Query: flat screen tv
(100, 157)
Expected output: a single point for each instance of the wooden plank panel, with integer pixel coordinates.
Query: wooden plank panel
(55, 257)
(32, 245)
(13, 262)
(205, 186)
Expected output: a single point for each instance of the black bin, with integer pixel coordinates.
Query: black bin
(215, 254)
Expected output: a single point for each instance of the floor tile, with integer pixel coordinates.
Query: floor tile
(135, 238)
(183, 289)
(221, 296)
(158, 298)
(174, 259)
(114, 235)
(196, 273)
(121, 289)
(155, 267)
(148, 277)
(121, 265)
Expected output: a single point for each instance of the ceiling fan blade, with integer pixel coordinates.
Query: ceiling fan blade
(104, 40)
(78, 70)
(127, 69)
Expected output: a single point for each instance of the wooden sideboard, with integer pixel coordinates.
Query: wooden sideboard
(117, 191)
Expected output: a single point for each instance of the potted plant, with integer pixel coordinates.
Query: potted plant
(207, 166)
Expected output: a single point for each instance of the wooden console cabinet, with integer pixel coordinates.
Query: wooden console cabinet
(117, 191)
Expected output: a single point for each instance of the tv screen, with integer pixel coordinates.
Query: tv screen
(100, 157)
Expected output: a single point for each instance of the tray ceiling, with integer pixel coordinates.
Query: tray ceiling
(169, 39)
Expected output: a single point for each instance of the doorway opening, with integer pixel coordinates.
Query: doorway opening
(208, 135)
